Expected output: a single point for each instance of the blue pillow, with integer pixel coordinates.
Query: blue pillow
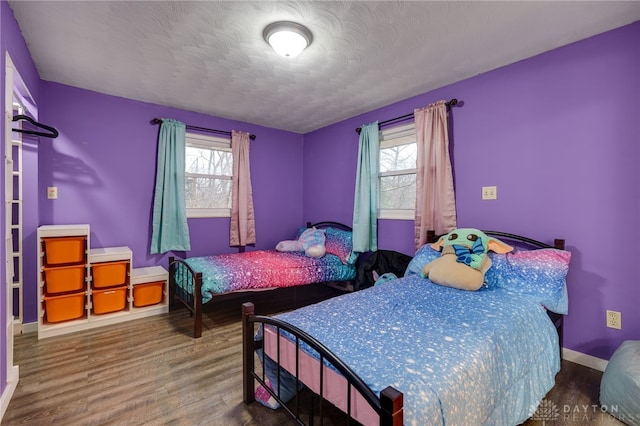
(538, 273)
(424, 255)
(339, 243)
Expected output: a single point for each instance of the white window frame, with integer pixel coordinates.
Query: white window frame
(213, 143)
(390, 137)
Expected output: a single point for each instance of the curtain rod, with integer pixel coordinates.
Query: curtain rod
(449, 104)
(202, 129)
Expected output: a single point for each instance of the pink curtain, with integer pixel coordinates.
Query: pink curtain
(435, 198)
(243, 225)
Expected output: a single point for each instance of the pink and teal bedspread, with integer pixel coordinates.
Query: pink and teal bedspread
(264, 269)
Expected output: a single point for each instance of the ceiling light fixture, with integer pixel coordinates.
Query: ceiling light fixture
(287, 38)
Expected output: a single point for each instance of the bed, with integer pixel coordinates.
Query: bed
(413, 352)
(196, 281)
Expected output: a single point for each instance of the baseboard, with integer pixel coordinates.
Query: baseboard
(584, 359)
(12, 383)
(30, 327)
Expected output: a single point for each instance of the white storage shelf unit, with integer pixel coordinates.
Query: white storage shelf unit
(112, 300)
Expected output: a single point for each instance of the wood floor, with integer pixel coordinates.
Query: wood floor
(152, 372)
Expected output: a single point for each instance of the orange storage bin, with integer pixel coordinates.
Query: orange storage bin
(109, 300)
(64, 279)
(64, 250)
(64, 307)
(109, 274)
(147, 294)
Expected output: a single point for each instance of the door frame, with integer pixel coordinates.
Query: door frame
(12, 371)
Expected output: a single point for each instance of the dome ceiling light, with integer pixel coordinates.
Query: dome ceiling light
(288, 39)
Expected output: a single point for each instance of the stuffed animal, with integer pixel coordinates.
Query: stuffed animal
(386, 277)
(311, 242)
(464, 259)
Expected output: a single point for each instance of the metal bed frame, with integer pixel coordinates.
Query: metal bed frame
(180, 271)
(389, 405)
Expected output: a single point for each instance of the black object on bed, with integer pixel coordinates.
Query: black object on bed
(379, 263)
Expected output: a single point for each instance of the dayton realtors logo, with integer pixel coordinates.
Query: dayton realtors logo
(547, 411)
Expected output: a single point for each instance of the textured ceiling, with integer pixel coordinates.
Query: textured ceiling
(210, 57)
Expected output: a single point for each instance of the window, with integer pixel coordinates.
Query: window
(398, 153)
(208, 173)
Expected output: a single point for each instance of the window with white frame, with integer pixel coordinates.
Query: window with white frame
(397, 177)
(208, 176)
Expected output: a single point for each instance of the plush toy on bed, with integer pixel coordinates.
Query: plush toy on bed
(464, 259)
(311, 242)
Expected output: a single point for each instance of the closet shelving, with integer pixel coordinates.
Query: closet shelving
(16, 218)
(81, 288)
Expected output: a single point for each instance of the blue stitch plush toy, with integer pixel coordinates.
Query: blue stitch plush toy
(311, 242)
(464, 259)
(386, 277)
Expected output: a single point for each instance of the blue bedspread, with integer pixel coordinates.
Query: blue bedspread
(459, 357)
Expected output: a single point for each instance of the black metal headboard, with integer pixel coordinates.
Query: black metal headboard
(557, 243)
(328, 224)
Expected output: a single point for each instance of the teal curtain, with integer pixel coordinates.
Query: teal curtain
(365, 220)
(170, 229)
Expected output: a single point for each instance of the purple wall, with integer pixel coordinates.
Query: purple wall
(30, 149)
(559, 135)
(104, 163)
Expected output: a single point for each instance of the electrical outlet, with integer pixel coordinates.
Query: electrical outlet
(489, 192)
(614, 320)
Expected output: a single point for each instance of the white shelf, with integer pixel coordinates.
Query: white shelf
(109, 254)
(148, 274)
(95, 256)
(63, 230)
